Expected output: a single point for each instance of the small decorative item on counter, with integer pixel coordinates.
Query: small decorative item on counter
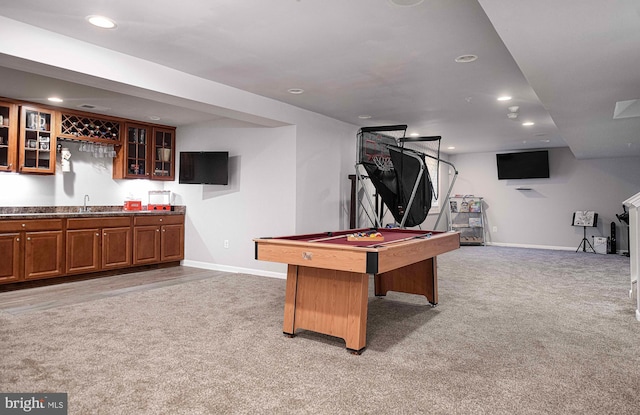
(159, 200)
(132, 205)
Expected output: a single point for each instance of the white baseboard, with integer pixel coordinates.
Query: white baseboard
(235, 270)
(554, 248)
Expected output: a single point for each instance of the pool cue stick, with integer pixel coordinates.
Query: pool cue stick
(327, 238)
(426, 235)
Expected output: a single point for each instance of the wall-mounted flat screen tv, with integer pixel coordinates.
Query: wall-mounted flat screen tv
(524, 165)
(204, 167)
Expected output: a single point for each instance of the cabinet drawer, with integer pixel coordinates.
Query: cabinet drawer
(30, 225)
(102, 222)
(158, 220)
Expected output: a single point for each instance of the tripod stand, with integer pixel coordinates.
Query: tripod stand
(585, 242)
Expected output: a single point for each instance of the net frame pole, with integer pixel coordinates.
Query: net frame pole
(360, 178)
(423, 166)
(360, 184)
(423, 139)
(453, 181)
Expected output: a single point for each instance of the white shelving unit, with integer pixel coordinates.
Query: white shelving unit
(466, 216)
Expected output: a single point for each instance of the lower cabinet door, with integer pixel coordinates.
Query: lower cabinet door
(83, 251)
(116, 247)
(146, 244)
(44, 254)
(172, 247)
(10, 263)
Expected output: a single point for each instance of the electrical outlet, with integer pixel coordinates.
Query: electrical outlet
(226, 243)
(494, 229)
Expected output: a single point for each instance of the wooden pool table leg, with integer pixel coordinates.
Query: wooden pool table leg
(290, 300)
(356, 333)
(329, 302)
(419, 278)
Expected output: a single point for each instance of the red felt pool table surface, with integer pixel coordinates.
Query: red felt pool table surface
(328, 276)
(390, 235)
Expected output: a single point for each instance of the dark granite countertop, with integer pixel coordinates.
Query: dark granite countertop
(54, 212)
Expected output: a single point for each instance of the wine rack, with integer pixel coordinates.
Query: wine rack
(81, 127)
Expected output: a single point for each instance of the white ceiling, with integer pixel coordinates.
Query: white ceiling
(566, 63)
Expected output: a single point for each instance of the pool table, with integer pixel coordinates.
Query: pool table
(327, 284)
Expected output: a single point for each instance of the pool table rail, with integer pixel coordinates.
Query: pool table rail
(314, 254)
(370, 260)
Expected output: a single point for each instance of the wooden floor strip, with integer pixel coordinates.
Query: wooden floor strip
(29, 300)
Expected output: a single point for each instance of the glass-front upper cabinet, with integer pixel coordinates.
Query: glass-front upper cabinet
(163, 154)
(147, 152)
(136, 147)
(37, 143)
(8, 136)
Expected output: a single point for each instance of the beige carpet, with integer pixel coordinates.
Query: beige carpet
(517, 331)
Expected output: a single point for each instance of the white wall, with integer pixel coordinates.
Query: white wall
(542, 216)
(283, 181)
(325, 156)
(89, 175)
(260, 199)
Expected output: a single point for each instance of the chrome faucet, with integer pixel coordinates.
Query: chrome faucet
(85, 208)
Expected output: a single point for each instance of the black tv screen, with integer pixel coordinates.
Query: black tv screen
(525, 165)
(204, 167)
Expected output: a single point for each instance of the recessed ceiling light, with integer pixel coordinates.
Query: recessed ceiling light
(466, 58)
(364, 117)
(545, 141)
(55, 99)
(528, 124)
(101, 21)
(504, 98)
(414, 135)
(295, 91)
(154, 118)
(405, 3)
(451, 148)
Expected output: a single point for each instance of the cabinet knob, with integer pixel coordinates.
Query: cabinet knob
(97, 234)
(24, 224)
(105, 234)
(160, 219)
(17, 239)
(29, 238)
(157, 230)
(164, 230)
